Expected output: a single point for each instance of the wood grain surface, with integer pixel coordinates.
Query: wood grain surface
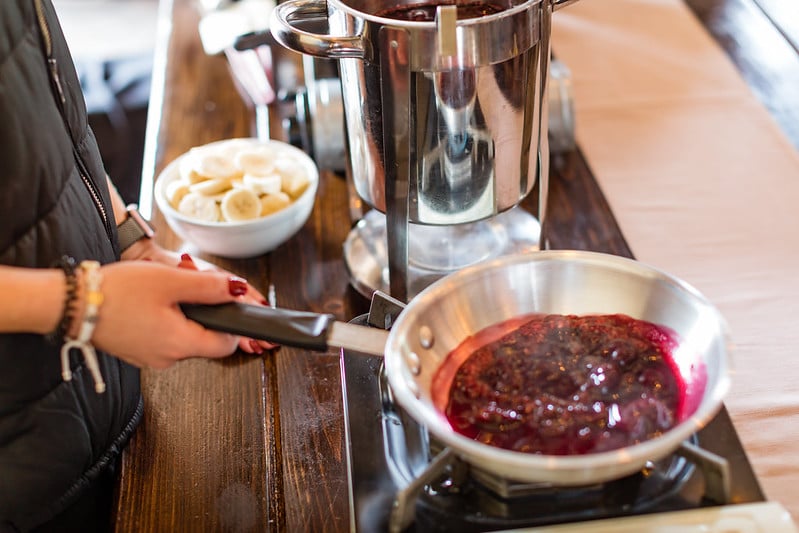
(257, 443)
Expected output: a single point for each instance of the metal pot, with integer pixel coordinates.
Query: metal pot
(463, 303)
(443, 105)
(451, 107)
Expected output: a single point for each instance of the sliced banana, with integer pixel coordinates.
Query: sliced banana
(294, 183)
(218, 197)
(270, 184)
(241, 185)
(214, 165)
(240, 204)
(287, 163)
(200, 207)
(231, 147)
(211, 187)
(236, 181)
(255, 161)
(175, 191)
(187, 168)
(272, 203)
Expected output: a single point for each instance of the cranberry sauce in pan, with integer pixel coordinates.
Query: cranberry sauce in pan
(565, 384)
(426, 12)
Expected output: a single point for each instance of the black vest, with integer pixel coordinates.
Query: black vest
(55, 436)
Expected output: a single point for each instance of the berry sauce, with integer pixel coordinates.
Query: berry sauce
(426, 12)
(565, 384)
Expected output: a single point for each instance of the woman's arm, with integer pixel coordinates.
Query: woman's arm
(31, 300)
(139, 318)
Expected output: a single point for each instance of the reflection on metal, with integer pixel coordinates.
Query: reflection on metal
(716, 471)
(435, 251)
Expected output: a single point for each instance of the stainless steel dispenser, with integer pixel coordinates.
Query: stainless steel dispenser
(445, 121)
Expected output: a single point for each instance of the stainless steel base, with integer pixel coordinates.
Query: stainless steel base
(434, 251)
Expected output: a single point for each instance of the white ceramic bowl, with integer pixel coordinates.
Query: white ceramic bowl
(248, 238)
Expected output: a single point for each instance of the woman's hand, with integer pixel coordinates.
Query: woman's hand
(147, 249)
(140, 320)
(252, 296)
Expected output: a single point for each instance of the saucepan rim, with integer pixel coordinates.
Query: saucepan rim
(556, 469)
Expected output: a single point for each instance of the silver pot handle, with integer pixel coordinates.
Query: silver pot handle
(557, 4)
(287, 14)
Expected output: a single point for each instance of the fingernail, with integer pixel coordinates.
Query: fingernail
(187, 262)
(237, 286)
(257, 348)
(264, 302)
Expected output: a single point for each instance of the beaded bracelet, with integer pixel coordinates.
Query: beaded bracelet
(94, 298)
(67, 264)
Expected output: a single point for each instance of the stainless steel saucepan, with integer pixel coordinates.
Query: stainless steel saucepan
(461, 304)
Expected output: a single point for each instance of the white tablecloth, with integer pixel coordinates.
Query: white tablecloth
(706, 187)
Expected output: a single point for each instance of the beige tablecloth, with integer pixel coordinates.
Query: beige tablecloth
(705, 186)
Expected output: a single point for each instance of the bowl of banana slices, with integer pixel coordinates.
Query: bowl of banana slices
(238, 198)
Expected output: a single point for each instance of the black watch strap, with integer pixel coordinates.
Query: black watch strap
(133, 229)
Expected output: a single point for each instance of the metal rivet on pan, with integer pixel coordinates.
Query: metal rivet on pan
(426, 338)
(414, 363)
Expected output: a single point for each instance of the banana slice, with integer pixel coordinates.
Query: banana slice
(240, 204)
(200, 207)
(272, 203)
(214, 165)
(175, 191)
(241, 185)
(294, 182)
(211, 187)
(255, 161)
(187, 167)
(270, 184)
(231, 147)
(288, 164)
(218, 197)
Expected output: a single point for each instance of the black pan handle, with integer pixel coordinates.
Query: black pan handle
(299, 329)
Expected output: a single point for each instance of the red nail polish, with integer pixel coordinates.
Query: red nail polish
(264, 302)
(256, 347)
(237, 286)
(187, 262)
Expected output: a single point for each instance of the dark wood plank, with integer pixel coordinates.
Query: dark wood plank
(198, 460)
(279, 416)
(579, 215)
(309, 274)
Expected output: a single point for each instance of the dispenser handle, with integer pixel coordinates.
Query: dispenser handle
(557, 4)
(285, 20)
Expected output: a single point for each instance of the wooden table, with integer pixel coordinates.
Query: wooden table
(257, 443)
